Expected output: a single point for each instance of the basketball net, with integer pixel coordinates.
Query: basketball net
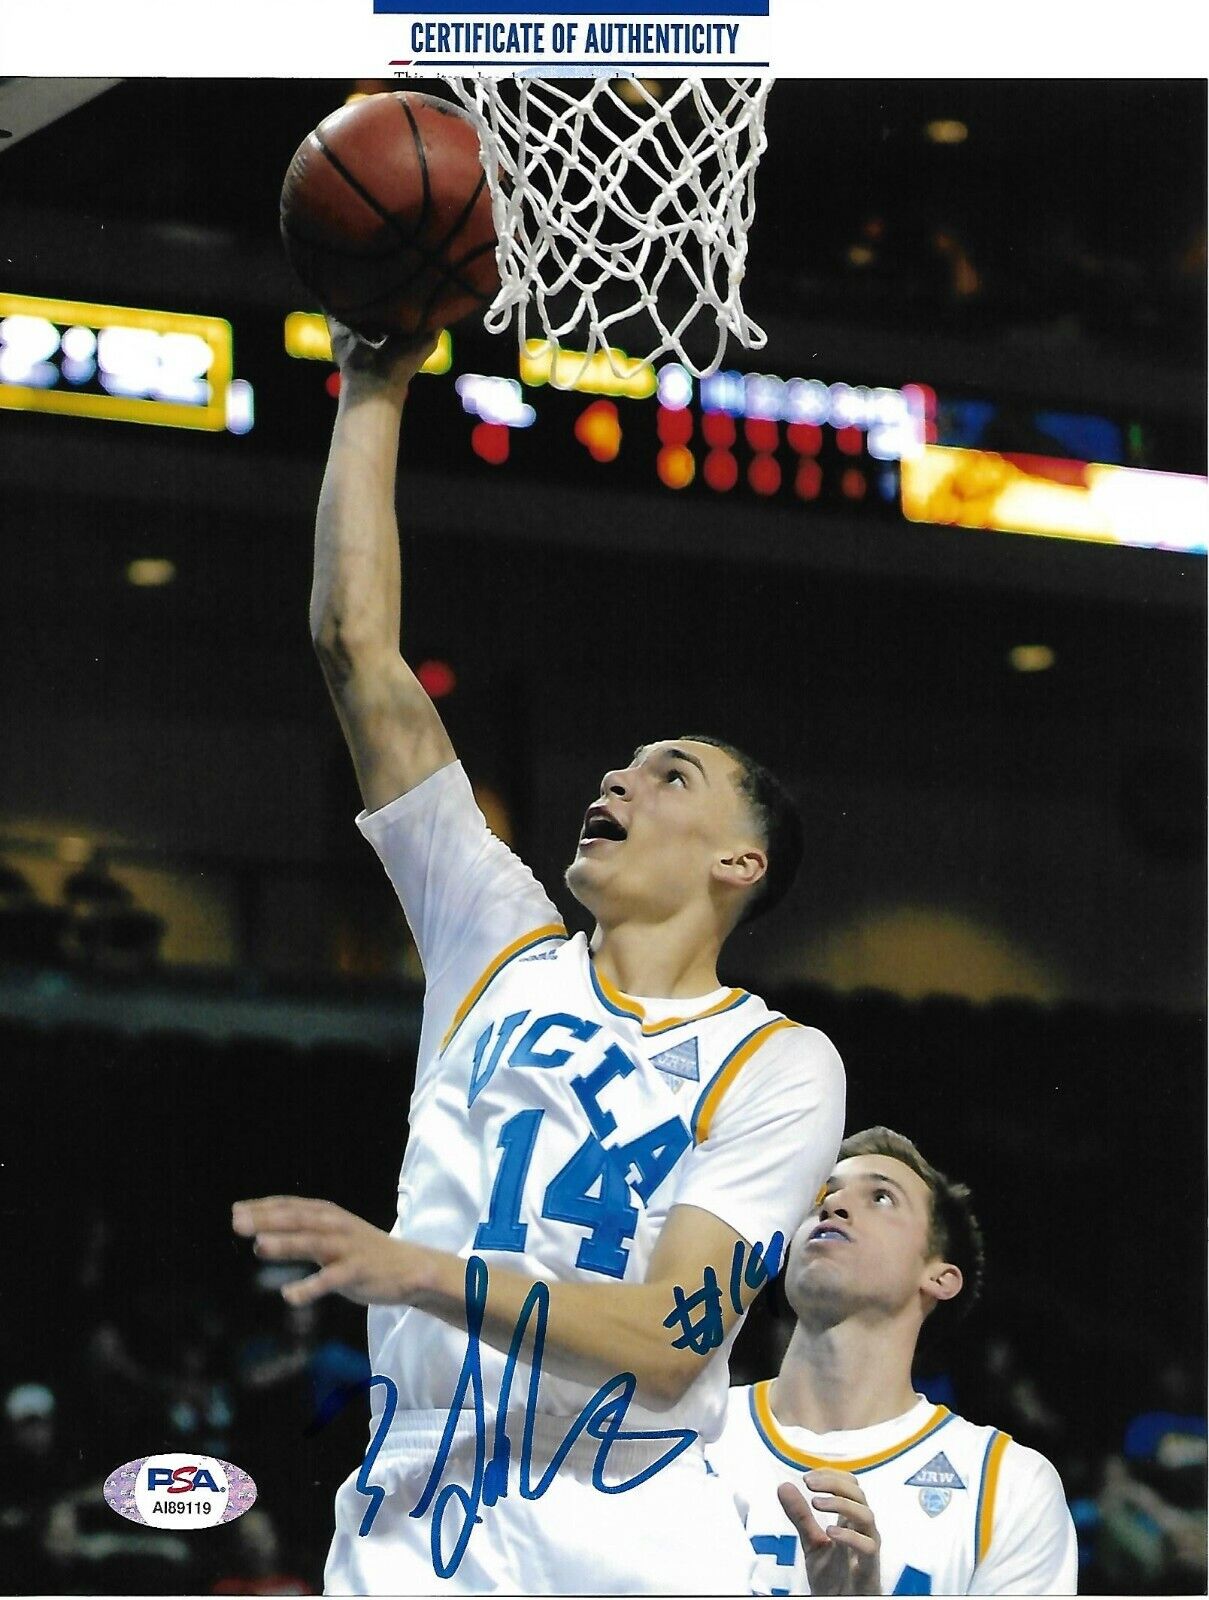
(618, 211)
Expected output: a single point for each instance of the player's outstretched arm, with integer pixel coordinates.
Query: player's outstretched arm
(392, 728)
(595, 1330)
(844, 1558)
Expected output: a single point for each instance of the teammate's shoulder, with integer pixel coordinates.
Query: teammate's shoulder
(1035, 1472)
(1016, 1464)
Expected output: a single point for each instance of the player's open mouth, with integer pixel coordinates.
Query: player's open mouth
(825, 1232)
(599, 824)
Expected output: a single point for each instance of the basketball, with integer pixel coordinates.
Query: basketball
(386, 216)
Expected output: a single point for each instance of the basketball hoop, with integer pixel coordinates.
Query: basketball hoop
(622, 215)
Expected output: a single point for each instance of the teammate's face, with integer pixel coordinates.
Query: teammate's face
(866, 1244)
(671, 826)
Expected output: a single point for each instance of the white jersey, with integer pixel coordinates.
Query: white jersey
(555, 1121)
(961, 1509)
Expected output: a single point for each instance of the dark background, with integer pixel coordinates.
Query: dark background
(1001, 918)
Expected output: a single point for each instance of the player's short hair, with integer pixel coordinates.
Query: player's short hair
(954, 1233)
(778, 818)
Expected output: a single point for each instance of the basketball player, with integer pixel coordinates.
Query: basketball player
(598, 1115)
(911, 1499)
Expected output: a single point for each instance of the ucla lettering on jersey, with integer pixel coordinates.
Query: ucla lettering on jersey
(932, 1487)
(548, 1135)
(575, 1107)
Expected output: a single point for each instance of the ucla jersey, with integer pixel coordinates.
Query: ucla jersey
(553, 1130)
(961, 1509)
(555, 1121)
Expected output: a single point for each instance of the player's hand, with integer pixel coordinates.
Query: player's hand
(844, 1558)
(391, 359)
(355, 1259)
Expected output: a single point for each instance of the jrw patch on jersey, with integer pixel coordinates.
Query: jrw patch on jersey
(680, 1065)
(936, 1482)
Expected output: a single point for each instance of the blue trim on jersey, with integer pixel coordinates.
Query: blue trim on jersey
(882, 1460)
(982, 1486)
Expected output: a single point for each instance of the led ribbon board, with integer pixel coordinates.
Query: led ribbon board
(307, 339)
(609, 371)
(168, 368)
(1059, 499)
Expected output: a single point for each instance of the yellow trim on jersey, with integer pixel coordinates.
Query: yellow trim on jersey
(761, 1407)
(729, 1071)
(625, 1005)
(986, 1500)
(552, 930)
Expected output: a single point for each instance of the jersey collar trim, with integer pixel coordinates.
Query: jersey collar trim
(767, 1428)
(624, 1005)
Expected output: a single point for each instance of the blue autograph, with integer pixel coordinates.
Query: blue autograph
(601, 1418)
(708, 1331)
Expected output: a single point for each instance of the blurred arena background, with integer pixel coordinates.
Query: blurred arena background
(206, 987)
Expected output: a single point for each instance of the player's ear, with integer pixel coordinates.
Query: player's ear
(942, 1281)
(743, 869)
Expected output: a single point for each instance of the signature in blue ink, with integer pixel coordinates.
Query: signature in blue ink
(707, 1332)
(601, 1418)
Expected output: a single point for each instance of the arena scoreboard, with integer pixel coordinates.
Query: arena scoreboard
(892, 454)
(167, 368)
(1011, 492)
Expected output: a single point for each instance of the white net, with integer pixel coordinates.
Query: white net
(622, 210)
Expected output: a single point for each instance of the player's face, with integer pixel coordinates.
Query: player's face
(662, 831)
(866, 1244)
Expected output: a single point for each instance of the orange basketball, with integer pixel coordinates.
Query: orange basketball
(386, 215)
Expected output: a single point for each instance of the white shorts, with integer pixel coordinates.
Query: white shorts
(676, 1533)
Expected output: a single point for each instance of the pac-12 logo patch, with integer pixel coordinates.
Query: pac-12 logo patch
(180, 1491)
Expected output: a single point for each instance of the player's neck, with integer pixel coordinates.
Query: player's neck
(849, 1376)
(643, 959)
